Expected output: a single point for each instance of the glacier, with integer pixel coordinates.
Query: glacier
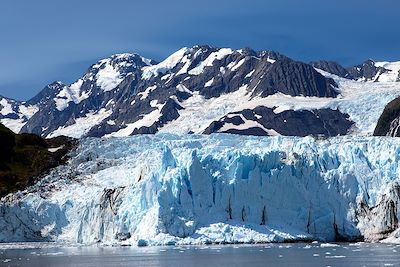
(170, 189)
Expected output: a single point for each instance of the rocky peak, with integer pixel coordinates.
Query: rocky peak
(367, 71)
(332, 67)
(291, 78)
(47, 93)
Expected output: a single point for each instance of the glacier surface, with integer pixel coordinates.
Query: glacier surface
(191, 189)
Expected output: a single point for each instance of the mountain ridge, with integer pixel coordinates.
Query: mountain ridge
(128, 94)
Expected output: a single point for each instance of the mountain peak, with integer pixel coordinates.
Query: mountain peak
(332, 67)
(55, 84)
(126, 94)
(203, 47)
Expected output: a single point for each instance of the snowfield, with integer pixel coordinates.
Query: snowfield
(363, 101)
(189, 189)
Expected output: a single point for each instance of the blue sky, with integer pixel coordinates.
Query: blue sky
(46, 40)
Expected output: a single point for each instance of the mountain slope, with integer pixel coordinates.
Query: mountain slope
(376, 71)
(87, 101)
(389, 122)
(294, 78)
(15, 114)
(264, 121)
(196, 87)
(25, 157)
(332, 67)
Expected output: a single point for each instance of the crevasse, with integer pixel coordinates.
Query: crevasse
(190, 189)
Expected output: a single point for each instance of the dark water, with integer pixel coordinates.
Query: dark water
(309, 255)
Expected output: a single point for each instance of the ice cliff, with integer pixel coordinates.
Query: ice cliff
(169, 189)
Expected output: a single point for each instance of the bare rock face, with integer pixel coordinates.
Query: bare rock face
(332, 67)
(389, 121)
(264, 121)
(61, 105)
(381, 221)
(366, 71)
(295, 79)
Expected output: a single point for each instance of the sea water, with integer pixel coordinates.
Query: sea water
(298, 254)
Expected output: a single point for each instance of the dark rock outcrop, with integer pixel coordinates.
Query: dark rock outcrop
(389, 122)
(26, 157)
(295, 79)
(366, 71)
(332, 67)
(324, 122)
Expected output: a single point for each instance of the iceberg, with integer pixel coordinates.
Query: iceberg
(169, 189)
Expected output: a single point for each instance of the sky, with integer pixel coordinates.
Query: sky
(43, 41)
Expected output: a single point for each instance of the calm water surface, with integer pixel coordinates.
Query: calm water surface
(349, 255)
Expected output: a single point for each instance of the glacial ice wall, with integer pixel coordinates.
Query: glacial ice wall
(169, 189)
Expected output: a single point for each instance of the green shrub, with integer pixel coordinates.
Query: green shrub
(7, 143)
(29, 140)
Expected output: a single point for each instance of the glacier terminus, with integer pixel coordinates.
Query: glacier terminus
(168, 189)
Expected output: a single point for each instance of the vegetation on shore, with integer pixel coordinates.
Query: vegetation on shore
(26, 157)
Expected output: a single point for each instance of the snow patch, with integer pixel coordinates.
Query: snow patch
(394, 71)
(70, 93)
(209, 83)
(143, 95)
(181, 88)
(23, 112)
(249, 74)
(238, 65)
(147, 120)
(166, 65)
(246, 125)
(55, 149)
(218, 55)
(14, 125)
(82, 125)
(270, 60)
(6, 107)
(28, 111)
(108, 77)
(198, 112)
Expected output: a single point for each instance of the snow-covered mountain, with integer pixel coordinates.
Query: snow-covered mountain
(368, 71)
(333, 68)
(15, 114)
(191, 189)
(74, 109)
(376, 71)
(204, 89)
(184, 188)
